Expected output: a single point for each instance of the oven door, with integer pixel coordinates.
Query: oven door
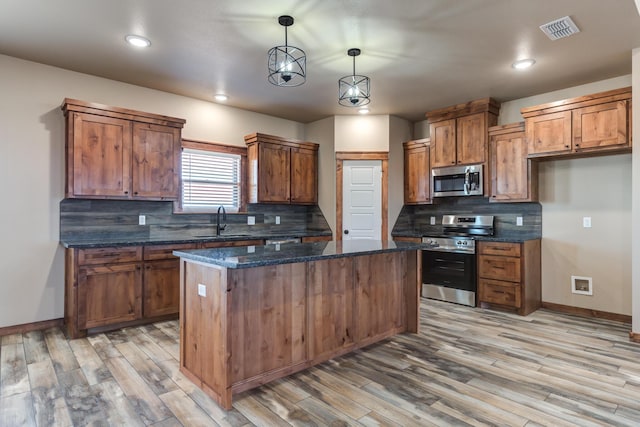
(449, 276)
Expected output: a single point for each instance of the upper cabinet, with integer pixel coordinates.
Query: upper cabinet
(587, 125)
(514, 177)
(417, 175)
(459, 133)
(281, 170)
(121, 154)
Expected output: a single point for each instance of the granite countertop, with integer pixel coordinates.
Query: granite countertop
(101, 242)
(258, 256)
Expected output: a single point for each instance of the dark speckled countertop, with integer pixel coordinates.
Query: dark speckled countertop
(165, 240)
(258, 256)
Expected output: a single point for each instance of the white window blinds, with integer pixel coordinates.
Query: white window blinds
(210, 179)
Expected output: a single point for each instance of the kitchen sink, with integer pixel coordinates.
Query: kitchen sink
(223, 235)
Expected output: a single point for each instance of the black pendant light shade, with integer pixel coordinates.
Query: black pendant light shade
(287, 64)
(354, 90)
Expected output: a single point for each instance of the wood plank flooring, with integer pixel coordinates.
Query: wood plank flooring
(466, 367)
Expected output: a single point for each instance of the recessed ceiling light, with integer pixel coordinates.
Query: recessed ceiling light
(363, 111)
(137, 41)
(523, 63)
(221, 97)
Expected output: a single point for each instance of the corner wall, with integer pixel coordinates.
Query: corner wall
(598, 187)
(323, 132)
(32, 169)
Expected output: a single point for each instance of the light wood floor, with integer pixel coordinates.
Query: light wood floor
(466, 367)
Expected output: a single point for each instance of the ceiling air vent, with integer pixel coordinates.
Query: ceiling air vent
(560, 28)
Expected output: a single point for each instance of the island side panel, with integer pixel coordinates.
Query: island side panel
(379, 293)
(412, 282)
(330, 307)
(268, 322)
(204, 338)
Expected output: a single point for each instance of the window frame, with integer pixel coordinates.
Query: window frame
(216, 147)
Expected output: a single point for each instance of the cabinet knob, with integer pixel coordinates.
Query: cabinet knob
(135, 192)
(126, 192)
(566, 146)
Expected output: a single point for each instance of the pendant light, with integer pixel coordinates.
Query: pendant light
(354, 90)
(287, 64)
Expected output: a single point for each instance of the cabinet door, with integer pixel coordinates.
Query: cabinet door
(471, 139)
(510, 178)
(156, 161)
(161, 287)
(443, 143)
(304, 176)
(101, 156)
(416, 175)
(274, 178)
(549, 133)
(109, 294)
(600, 126)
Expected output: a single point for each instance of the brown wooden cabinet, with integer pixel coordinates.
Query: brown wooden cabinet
(113, 286)
(118, 153)
(459, 133)
(281, 170)
(509, 275)
(514, 177)
(587, 125)
(417, 175)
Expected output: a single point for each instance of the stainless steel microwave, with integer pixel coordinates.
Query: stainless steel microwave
(457, 181)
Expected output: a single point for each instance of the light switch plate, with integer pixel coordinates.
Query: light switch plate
(586, 222)
(519, 221)
(142, 219)
(202, 290)
(277, 219)
(251, 220)
(432, 220)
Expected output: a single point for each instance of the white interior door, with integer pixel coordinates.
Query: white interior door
(362, 199)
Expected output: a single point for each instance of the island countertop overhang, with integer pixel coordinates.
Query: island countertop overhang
(258, 256)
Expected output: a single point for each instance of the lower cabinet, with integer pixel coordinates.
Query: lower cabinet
(509, 275)
(108, 287)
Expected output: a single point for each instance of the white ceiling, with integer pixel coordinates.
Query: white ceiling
(419, 54)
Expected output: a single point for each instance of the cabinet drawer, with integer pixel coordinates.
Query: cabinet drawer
(165, 251)
(496, 292)
(109, 255)
(499, 268)
(499, 248)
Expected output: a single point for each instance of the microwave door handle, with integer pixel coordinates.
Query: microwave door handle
(466, 181)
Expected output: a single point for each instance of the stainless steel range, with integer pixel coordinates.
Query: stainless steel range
(449, 264)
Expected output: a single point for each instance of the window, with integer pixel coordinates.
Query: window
(210, 177)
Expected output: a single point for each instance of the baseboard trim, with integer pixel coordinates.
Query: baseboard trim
(634, 336)
(586, 312)
(28, 327)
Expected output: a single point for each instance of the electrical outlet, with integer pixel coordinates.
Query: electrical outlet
(202, 290)
(586, 222)
(142, 219)
(277, 219)
(519, 221)
(277, 246)
(251, 220)
(251, 249)
(432, 220)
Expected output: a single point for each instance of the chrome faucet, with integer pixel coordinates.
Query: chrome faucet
(219, 227)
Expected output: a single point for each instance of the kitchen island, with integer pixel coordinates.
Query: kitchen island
(251, 315)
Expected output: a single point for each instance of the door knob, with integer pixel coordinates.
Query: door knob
(346, 231)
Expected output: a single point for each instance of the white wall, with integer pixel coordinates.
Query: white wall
(323, 132)
(362, 133)
(32, 169)
(598, 187)
(635, 210)
(399, 132)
